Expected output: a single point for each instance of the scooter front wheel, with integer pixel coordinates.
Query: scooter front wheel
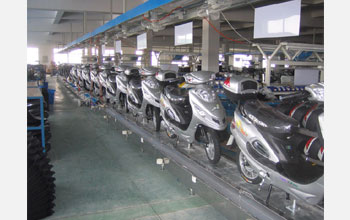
(212, 145)
(156, 118)
(246, 171)
(124, 103)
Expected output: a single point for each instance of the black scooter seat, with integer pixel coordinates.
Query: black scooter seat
(176, 95)
(268, 118)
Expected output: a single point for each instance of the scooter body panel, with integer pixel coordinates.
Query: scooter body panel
(134, 109)
(245, 132)
(151, 95)
(209, 111)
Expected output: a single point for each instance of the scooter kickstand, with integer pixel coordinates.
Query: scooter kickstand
(189, 146)
(293, 208)
(268, 195)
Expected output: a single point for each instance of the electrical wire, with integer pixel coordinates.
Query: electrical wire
(220, 33)
(157, 20)
(223, 35)
(235, 29)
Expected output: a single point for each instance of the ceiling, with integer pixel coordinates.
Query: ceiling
(59, 22)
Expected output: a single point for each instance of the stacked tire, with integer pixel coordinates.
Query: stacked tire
(307, 113)
(40, 180)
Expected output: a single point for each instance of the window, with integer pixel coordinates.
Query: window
(59, 57)
(241, 60)
(265, 63)
(221, 58)
(75, 56)
(180, 63)
(138, 62)
(109, 52)
(154, 58)
(138, 52)
(32, 55)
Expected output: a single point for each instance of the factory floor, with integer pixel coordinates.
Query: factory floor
(102, 175)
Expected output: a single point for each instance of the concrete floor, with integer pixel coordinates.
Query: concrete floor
(101, 175)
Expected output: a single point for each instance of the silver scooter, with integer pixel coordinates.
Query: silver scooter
(86, 77)
(195, 114)
(305, 106)
(152, 87)
(103, 77)
(137, 86)
(80, 75)
(125, 73)
(271, 145)
(72, 77)
(108, 81)
(94, 74)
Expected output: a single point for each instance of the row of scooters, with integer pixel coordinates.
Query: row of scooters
(280, 146)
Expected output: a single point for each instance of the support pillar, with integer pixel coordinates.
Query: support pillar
(191, 60)
(210, 46)
(226, 49)
(147, 53)
(84, 22)
(100, 55)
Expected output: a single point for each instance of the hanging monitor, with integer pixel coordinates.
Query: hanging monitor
(142, 41)
(118, 46)
(278, 20)
(183, 34)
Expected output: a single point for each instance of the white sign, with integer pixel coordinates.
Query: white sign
(118, 46)
(278, 20)
(142, 41)
(103, 48)
(304, 77)
(184, 34)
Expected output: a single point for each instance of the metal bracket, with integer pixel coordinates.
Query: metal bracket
(126, 133)
(162, 162)
(293, 208)
(189, 146)
(191, 191)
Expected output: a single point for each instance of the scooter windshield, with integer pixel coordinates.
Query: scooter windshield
(292, 165)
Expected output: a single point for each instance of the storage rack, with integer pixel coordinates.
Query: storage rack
(35, 84)
(291, 52)
(35, 93)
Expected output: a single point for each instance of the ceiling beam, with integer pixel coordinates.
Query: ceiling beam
(41, 26)
(82, 5)
(58, 17)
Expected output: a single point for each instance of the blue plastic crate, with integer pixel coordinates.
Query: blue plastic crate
(51, 96)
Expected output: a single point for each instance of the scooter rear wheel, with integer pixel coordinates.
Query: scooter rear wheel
(246, 171)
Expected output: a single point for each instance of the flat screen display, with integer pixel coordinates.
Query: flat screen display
(118, 46)
(184, 34)
(142, 41)
(278, 20)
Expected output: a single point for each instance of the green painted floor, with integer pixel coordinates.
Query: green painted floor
(101, 175)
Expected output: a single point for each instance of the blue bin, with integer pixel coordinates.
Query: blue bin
(51, 96)
(46, 85)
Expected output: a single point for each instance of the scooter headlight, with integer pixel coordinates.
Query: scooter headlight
(206, 95)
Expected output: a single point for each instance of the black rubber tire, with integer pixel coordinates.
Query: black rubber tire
(126, 109)
(156, 118)
(247, 179)
(215, 139)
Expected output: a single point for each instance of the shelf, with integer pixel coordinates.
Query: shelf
(35, 93)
